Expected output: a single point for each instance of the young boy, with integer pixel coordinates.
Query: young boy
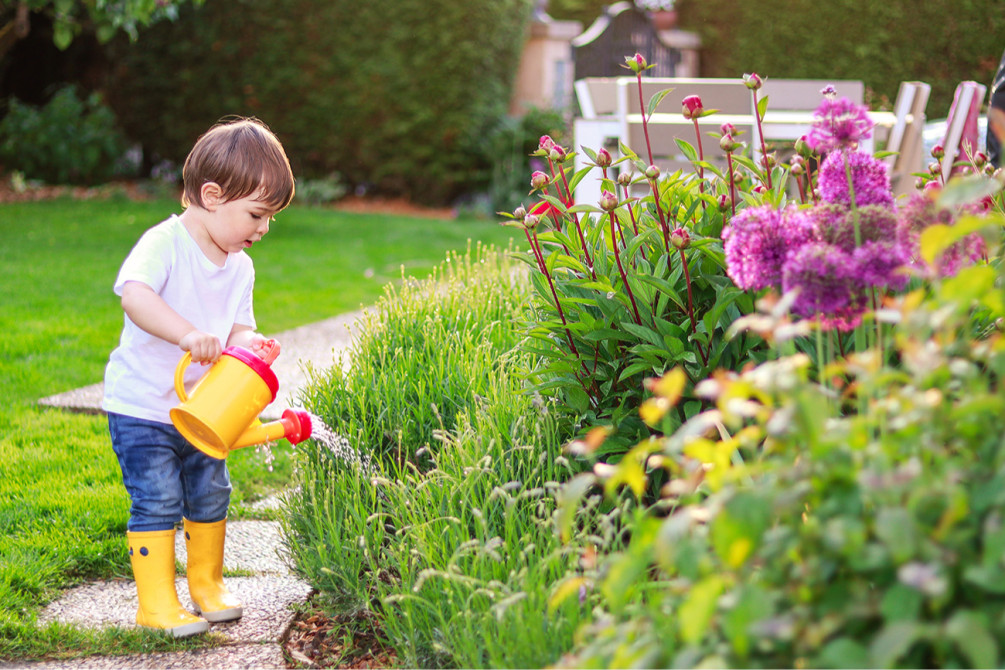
(186, 286)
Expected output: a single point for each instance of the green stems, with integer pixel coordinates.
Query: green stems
(624, 277)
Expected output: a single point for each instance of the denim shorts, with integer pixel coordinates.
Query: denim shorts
(166, 476)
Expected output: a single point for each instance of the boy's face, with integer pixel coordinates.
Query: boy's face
(234, 225)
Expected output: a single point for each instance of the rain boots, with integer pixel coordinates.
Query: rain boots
(152, 556)
(204, 543)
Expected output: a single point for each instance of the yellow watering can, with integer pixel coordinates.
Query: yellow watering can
(221, 412)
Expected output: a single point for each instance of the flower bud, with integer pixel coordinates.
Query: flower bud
(608, 201)
(691, 107)
(760, 188)
(723, 202)
(980, 159)
(752, 81)
(519, 213)
(803, 147)
(989, 169)
(938, 151)
(727, 129)
(727, 143)
(797, 167)
(932, 187)
(539, 180)
(829, 91)
(625, 178)
(768, 161)
(531, 221)
(934, 168)
(604, 159)
(652, 173)
(919, 183)
(557, 153)
(636, 63)
(546, 143)
(680, 238)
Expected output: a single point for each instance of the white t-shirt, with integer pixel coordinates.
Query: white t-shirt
(139, 378)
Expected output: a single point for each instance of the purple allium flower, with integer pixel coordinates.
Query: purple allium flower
(879, 263)
(920, 212)
(828, 286)
(838, 124)
(758, 241)
(835, 224)
(870, 177)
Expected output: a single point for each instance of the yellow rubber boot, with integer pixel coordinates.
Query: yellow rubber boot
(204, 542)
(152, 556)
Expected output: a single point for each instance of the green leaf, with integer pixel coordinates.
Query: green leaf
(689, 151)
(901, 603)
(762, 106)
(644, 333)
(892, 643)
(656, 100)
(843, 653)
(896, 528)
(569, 498)
(697, 610)
(967, 189)
(971, 633)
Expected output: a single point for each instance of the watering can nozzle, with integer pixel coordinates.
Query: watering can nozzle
(297, 423)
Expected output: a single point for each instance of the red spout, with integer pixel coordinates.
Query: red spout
(297, 425)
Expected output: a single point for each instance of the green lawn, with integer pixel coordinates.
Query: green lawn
(62, 506)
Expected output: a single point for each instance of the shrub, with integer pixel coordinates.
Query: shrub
(321, 191)
(402, 106)
(67, 141)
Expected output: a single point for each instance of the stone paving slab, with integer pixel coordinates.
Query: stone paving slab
(230, 657)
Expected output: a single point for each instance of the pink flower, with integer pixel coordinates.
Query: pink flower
(604, 158)
(539, 180)
(692, 107)
(752, 81)
(636, 63)
(546, 143)
(608, 201)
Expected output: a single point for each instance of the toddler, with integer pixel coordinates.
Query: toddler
(187, 286)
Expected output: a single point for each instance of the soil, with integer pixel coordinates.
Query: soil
(318, 640)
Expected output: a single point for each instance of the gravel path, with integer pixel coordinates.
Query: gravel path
(269, 592)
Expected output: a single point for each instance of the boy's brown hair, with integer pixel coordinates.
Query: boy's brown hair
(243, 156)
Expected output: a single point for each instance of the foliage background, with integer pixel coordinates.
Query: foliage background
(399, 96)
(882, 43)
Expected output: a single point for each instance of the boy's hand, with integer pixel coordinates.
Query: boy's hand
(204, 347)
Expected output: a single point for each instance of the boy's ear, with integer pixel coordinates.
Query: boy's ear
(212, 195)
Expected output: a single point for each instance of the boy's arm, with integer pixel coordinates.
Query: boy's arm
(149, 311)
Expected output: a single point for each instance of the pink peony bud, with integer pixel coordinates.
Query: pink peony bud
(531, 221)
(727, 129)
(636, 63)
(980, 159)
(557, 153)
(760, 188)
(768, 161)
(680, 239)
(608, 201)
(519, 213)
(546, 142)
(934, 168)
(728, 144)
(604, 159)
(797, 167)
(803, 146)
(938, 151)
(691, 107)
(752, 81)
(919, 183)
(625, 178)
(723, 202)
(539, 180)
(932, 188)
(652, 173)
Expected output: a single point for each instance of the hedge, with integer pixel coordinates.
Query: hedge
(941, 42)
(398, 96)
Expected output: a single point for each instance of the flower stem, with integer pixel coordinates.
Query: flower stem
(732, 184)
(690, 305)
(701, 159)
(760, 134)
(621, 269)
(635, 225)
(645, 120)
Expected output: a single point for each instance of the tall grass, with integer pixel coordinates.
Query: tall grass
(62, 506)
(452, 540)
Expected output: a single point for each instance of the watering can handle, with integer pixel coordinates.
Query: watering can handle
(179, 376)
